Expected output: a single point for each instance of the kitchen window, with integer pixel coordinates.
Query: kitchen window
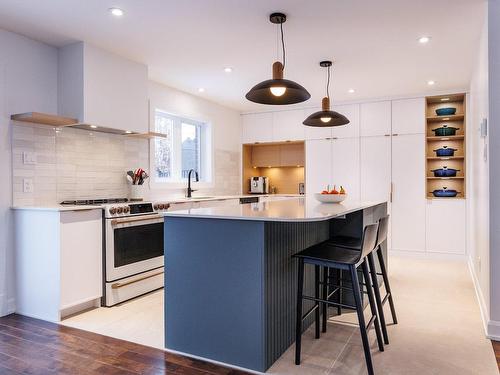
(187, 146)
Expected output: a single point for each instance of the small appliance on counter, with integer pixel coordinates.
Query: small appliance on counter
(302, 189)
(259, 185)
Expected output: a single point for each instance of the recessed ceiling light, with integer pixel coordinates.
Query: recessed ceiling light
(430, 83)
(128, 132)
(93, 126)
(201, 89)
(116, 12)
(445, 99)
(228, 69)
(351, 91)
(424, 39)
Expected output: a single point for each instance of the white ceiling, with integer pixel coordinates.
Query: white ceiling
(187, 43)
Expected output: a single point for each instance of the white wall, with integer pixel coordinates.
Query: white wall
(28, 82)
(478, 176)
(494, 148)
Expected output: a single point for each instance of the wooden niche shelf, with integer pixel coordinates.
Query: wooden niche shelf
(44, 119)
(456, 141)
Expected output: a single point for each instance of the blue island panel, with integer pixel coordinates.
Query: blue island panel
(208, 314)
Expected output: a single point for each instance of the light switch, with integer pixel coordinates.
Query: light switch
(29, 157)
(28, 185)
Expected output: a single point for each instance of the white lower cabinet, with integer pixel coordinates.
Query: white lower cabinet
(58, 261)
(81, 256)
(408, 195)
(445, 226)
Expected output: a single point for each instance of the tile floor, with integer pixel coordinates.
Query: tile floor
(439, 330)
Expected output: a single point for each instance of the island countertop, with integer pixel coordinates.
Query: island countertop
(300, 209)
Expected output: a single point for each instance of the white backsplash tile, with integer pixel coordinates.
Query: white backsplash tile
(74, 163)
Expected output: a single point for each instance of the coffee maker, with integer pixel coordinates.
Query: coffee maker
(259, 185)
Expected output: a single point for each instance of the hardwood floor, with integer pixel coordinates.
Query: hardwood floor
(496, 349)
(32, 346)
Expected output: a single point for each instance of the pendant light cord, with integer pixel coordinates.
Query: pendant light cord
(328, 84)
(282, 44)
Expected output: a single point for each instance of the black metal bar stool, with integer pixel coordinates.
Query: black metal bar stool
(355, 243)
(336, 258)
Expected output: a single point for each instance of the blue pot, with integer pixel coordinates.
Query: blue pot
(445, 193)
(448, 111)
(445, 151)
(445, 172)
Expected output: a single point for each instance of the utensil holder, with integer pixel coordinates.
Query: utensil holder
(136, 192)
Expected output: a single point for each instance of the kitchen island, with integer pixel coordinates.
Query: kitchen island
(230, 279)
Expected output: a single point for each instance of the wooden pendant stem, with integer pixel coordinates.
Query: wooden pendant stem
(325, 104)
(277, 70)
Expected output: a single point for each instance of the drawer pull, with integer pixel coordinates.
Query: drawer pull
(125, 283)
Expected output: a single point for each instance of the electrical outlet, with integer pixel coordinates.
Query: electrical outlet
(28, 186)
(29, 157)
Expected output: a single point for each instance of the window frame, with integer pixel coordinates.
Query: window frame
(206, 151)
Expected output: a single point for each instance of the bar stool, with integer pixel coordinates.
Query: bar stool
(332, 257)
(355, 243)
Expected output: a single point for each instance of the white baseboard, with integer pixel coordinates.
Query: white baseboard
(428, 255)
(485, 316)
(493, 332)
(7, 305)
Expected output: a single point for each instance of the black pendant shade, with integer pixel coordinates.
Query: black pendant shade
(263, 92)
(278, 91)
(326, 117)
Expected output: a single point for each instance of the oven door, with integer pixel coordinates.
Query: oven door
(133, 245)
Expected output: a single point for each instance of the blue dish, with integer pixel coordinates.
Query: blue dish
(445, 193)
(446, 111)
(445, 151)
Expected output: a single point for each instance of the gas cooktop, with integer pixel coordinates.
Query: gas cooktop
(93, 202)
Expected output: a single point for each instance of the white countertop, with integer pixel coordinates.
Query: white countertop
(58, 207)
(293, 209)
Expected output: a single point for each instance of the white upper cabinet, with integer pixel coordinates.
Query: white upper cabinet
(313, 132)
(408, 116)
(445, 226)
(345, 166)
(318, 165)
(287, 126)
(375, 118)
(257, 127)
(375, 165)
(103, 89)
(350, 111)
(408, 195)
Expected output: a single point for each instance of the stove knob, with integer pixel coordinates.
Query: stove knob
(155, 207)
(167, 206)
(112, 210)
(126, 209)
(119, 210)
(160, 206)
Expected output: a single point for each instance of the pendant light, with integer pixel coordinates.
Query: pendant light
(278, 91)
(326, 117)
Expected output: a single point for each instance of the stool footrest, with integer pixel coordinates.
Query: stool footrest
(309, 312)
(331, 303)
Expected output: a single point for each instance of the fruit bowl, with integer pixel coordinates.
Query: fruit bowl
(330, 198)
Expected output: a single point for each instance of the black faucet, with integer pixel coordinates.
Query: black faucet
(189, 190)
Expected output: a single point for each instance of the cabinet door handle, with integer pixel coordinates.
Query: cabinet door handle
(387, 135)
(395, 134)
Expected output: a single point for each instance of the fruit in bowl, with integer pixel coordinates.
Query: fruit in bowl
(331, 196)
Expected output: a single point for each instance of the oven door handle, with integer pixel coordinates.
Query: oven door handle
(125, 283)
(134, 219)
